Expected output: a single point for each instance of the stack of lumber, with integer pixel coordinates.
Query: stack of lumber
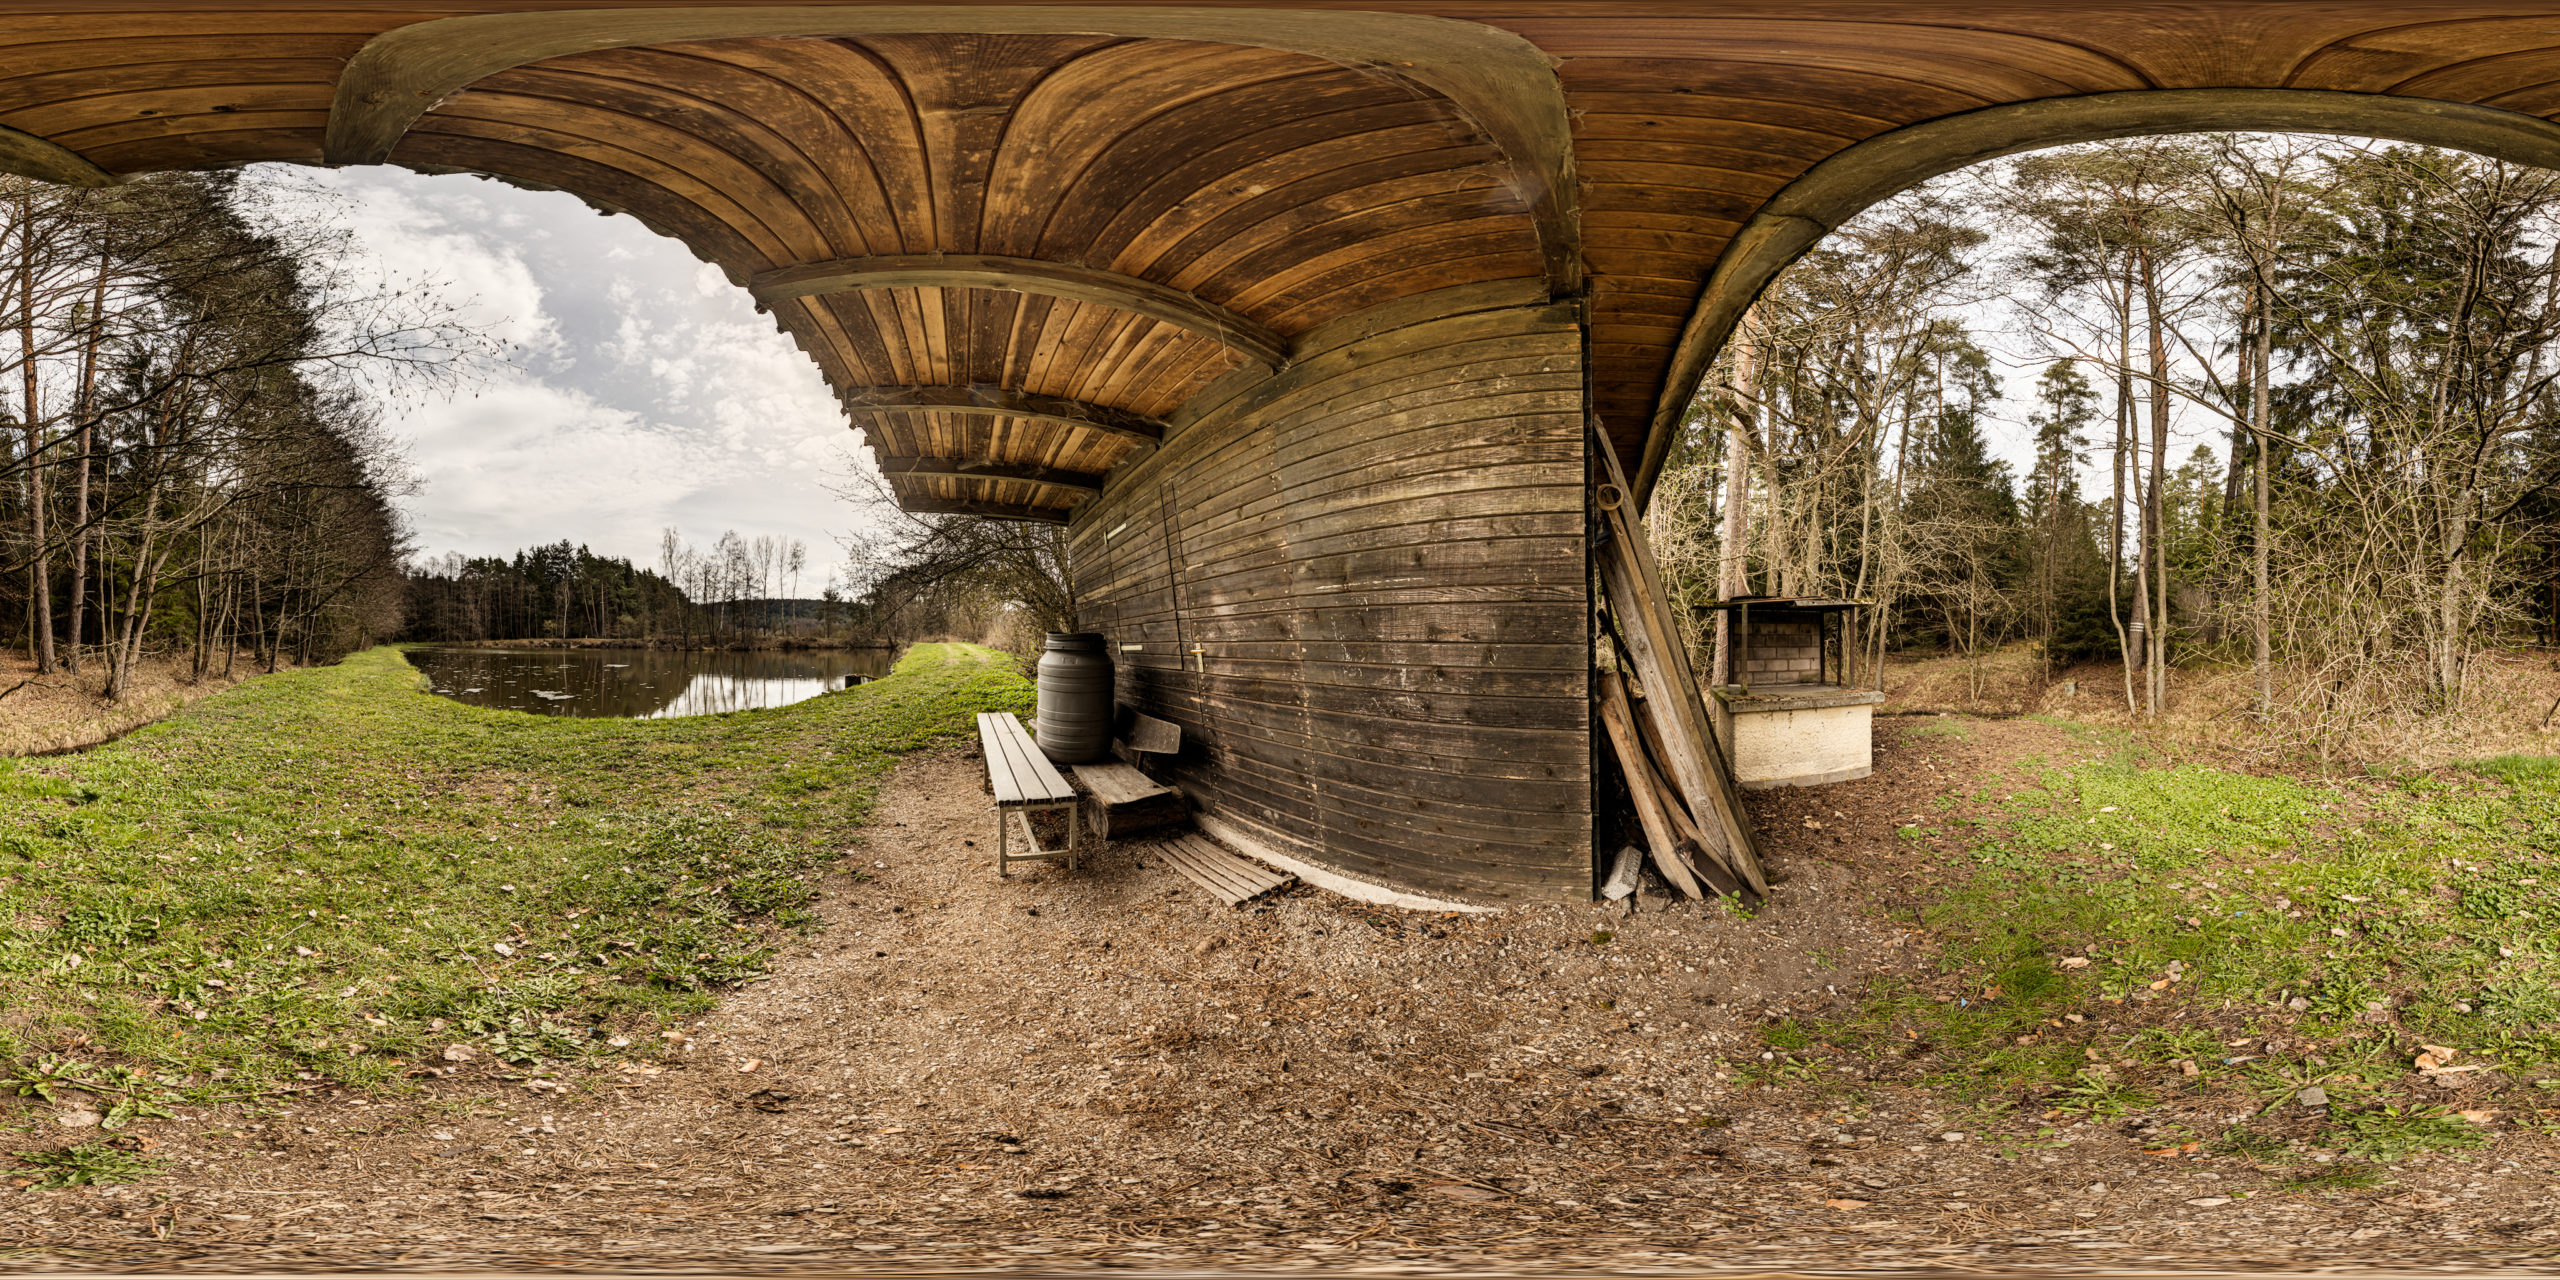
(1676, 771)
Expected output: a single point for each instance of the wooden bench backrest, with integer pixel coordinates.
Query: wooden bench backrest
(1137, 733)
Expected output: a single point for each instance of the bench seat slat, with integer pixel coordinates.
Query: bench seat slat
(1016, 770)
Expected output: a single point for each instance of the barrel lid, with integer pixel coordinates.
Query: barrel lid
(1076, 642)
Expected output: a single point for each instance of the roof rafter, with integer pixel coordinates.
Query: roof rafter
(987, 400)
(1079, 482)
(1027, 275)
(928, 506)
(28, 156)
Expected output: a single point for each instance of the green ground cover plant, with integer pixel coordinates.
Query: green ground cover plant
(333, 874)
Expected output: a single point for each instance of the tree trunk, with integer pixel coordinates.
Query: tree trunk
(2154, 534)
(31, 418)
(2127, 640)
(125, 645)
(84, 408)
(2261, 613)
(1730, 549)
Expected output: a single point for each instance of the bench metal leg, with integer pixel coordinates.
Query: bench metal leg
(1006, 815)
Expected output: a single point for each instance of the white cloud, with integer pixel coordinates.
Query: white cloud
(644, 390)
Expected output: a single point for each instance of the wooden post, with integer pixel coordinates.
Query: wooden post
(1742, 659)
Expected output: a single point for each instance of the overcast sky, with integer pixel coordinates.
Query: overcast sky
(642, 389)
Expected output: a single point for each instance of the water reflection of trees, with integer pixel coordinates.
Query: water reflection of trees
(711, 693)
(639, 683)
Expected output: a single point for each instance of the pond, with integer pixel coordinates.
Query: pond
(643, 683)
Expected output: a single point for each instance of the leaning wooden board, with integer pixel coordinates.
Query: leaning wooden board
(1228, 878)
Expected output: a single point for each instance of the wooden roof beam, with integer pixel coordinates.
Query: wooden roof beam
(986, 400)
(1081, 483)
(1498, 80)
(1851, 180)
(924, 506)
(28, 156)
(1027, 275)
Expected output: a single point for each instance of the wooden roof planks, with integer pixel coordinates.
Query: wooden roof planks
(1285, 165)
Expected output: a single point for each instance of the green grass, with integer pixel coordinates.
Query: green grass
(331, 874)
(2391, 1134)
(2333, 1179)
(2437, 902)
(2519, 768)
(2135, 914)
(91, 1164)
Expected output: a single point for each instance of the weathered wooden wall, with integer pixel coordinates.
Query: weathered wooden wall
(1379, 558)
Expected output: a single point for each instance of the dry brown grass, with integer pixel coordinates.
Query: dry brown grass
(2007, 681)
(2513, 707)
(63, 711)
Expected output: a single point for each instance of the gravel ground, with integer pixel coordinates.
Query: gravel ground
(1105, 1068)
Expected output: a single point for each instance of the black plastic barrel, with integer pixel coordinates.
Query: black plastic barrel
(1073, 723)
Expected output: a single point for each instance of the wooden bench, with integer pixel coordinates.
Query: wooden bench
(1124, 800)
(1024, 783)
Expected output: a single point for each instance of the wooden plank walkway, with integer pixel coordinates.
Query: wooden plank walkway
(1228, 878)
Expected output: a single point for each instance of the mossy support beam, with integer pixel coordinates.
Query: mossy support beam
(925, 506)
(28, 156)
(1078, 482)
(1026, 275)
(1501, 82)
(1851, 181)
(985, 400)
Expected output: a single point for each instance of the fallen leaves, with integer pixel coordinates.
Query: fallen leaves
(2434, 1061)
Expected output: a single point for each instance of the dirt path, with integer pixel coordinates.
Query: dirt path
(1103, 1067)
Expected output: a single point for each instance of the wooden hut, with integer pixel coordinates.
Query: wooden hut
(1305, 319)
